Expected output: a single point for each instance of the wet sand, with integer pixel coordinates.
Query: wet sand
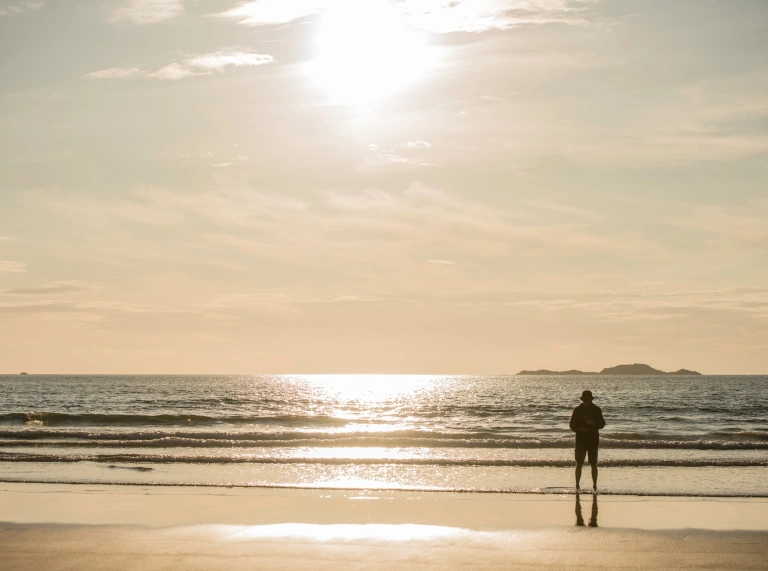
(130, 527)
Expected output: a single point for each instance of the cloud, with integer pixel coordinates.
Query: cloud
(653, 306)
(52, 288)
(6, 238)
(227, 58)
(174, 71)
(10, 267)
(154, 206)
(254, 302)
(711, 119)
(92, 310)
(9, 8)
(269, 12)
(483, 15)
(384, 158)
(728, 226)
(234, 161)
(148, 11)
(234, 305)
(559, 208)
(426, 222)
(115, 73)
(432, 15)
(442, 262)
(605, 306)
(194, 65)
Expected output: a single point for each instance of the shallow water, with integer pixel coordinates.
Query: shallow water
(664, 435)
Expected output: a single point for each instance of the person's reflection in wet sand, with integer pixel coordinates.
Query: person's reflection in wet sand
(593, 516)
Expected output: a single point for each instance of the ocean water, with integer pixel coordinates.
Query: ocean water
(699, 436)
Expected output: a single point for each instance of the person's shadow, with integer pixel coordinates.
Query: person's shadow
(592, 518)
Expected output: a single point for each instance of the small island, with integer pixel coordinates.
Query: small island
(548, 372)
(23, 373)
(635, 369)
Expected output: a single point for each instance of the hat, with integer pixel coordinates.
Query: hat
(586, 396)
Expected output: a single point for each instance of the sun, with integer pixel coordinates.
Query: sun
(365, 51)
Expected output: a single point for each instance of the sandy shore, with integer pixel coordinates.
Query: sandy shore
(124, 527)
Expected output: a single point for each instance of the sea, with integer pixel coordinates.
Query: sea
(701, 436)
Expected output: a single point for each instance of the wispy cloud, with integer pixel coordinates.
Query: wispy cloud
(115, 73)
(254, 302)
(175, 71)
(267, 12)
(653, 306)
(432, 15)
(9, 8)
(94, 309)
(53, 288)
(11, 267)
(148, 11)
(235, 160)
(483, 15)
(727, 226)
(227, 58)
(234, 305)
(427, 223)
(441, 262)
(381, 157)
(191, 66)
(712, 119)
(5, 238)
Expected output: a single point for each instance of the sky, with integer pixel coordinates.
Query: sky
(414, 186)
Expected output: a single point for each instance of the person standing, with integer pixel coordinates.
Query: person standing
(586, 422)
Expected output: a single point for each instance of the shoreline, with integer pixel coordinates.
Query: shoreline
(512, 492)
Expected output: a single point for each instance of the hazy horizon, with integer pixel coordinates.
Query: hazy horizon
(370, 186)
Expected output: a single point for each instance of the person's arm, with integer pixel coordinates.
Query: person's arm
(600, 421)
(575, 423)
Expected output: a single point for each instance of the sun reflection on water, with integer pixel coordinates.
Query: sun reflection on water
(318, 532)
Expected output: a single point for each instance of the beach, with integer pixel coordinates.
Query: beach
(132, 527)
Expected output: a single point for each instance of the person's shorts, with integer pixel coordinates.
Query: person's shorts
(586, 450)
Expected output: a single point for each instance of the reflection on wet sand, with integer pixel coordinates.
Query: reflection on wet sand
(592, 517)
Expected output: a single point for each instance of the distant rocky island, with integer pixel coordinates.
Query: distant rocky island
(636, 369)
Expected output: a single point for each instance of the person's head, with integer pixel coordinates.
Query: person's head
(586, 396)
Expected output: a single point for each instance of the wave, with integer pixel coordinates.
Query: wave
(114, 459)
(66, 419)
(747, 440)
(282, 413)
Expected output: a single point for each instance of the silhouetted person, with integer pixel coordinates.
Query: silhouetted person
(586, 421)
(593, 517)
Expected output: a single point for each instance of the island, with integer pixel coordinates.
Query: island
(23, 373)
(635, 369)
(548, 372)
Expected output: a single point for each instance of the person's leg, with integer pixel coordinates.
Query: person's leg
(578, 473)
(581, 453)
(593, 464)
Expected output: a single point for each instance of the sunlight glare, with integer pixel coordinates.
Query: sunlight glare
(318, 532)
(370, 388)
(365, 51)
